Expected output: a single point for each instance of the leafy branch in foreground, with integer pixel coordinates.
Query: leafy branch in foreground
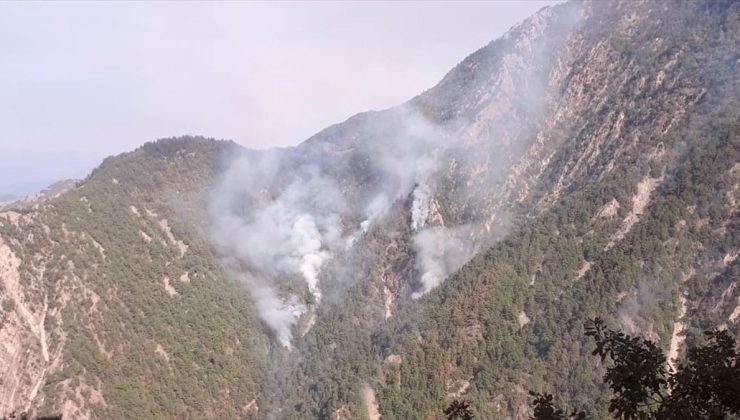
(706, 385)
(544, 409)
(637, 375)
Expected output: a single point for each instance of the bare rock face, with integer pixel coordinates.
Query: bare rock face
(32, 335)
(24, 355)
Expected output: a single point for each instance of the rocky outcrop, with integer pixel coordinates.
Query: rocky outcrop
(24, 355)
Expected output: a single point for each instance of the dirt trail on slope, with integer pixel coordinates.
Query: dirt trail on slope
(23, 348)
(368, 396)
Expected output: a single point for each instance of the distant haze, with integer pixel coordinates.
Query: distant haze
(80, 81)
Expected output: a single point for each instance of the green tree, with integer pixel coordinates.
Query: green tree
(706, 385)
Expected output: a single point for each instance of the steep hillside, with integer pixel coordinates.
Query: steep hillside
(573, 137)
(113, 306)
(584, 164)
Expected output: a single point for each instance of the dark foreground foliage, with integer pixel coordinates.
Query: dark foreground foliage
(705, 386)
(459, 410)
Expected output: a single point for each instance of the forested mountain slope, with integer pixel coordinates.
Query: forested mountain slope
(113, 306)
(584, 164)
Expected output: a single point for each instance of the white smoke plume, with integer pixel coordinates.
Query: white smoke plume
(420, 206)
(278, 215)
(440, 252)
(277, 238)
(639, 305)
(279, 314)
(377, 208)
(281, 215)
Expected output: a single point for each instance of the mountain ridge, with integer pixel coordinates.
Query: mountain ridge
(585, 164)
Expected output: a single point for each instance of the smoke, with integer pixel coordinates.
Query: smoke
(440, 252)
(420, 207)
(281, 215)
(279, 314)
(376, 210)
(278, 217)
(646, 302)
(278, 225)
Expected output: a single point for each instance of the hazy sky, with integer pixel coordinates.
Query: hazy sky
(83, 80)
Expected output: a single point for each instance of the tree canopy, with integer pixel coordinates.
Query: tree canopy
(705, 385)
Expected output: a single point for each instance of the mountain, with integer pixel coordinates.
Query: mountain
(585, 164)
(24, 171)
(113, 303)
(52, 191)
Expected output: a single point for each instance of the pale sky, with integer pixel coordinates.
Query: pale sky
(83, 80)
